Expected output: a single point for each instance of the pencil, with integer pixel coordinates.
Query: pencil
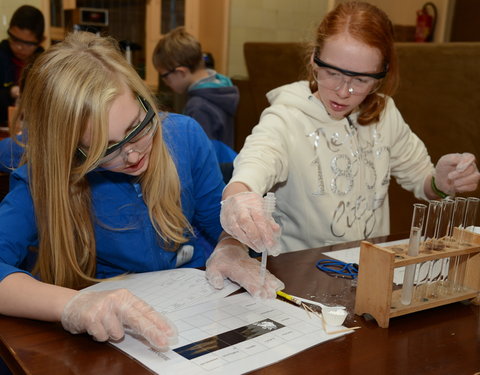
(289, 297)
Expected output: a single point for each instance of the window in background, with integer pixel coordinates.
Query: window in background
(172, 14)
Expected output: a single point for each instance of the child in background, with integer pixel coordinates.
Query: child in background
(25, 33)
(211, 97)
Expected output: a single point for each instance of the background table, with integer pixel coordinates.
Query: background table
(444, 340)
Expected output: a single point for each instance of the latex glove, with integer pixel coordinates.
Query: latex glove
(243, 217)
(106, 314)
(232, 261)
(456, 173)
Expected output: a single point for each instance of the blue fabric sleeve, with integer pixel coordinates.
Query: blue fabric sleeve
(10, 155)
(224, 153)
(18, 230)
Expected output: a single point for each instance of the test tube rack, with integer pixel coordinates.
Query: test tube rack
(375, 293)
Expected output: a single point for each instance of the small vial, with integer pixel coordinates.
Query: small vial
(457, 222)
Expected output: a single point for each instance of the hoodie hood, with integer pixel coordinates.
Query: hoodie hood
(225, 98)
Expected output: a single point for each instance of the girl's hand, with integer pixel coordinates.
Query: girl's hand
(106, 314)
(230, 260)
(457, 173)
(243, 217)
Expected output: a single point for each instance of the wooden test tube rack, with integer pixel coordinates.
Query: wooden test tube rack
(376, 296)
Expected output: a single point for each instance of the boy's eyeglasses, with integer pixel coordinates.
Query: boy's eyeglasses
(166, 74)
(141, 133)
(21, 42)
(333, 78)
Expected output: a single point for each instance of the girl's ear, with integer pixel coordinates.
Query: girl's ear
(312, 63)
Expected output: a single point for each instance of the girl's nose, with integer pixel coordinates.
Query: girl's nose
(344, 90)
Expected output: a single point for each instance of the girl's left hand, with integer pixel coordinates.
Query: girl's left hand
(106, 314)
(457, 173)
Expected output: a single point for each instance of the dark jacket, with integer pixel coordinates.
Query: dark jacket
(7, 79)
(214, 108)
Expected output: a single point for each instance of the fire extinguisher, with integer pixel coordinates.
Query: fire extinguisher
(425, 23)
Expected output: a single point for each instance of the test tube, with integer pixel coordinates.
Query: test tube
(458, 216)
(413, 249)
(471, 213)
(268, 207)
(468, 224)
(430, 242)
(446, 219)
(457, 222)
(444, 236)
(430, 237)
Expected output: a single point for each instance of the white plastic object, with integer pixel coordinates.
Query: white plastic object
(333, 316)
(268, 206)
(269, 202)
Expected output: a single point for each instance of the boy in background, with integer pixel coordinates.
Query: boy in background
(25, 34)
(211, 97)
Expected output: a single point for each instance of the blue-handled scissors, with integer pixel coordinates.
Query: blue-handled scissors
(338, 268)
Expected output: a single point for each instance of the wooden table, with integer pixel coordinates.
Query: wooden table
(444, 340)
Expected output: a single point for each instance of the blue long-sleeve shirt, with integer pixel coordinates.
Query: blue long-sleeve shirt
(125, 238)
(10, 154)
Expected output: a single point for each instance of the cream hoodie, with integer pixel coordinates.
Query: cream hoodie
(330, 177)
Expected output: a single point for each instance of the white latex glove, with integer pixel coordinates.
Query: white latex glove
(232, 261)
(106, 314)
(456, 173)
(243, 217)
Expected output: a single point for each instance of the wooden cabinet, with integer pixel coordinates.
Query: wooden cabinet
(464, 26)
(142, 22)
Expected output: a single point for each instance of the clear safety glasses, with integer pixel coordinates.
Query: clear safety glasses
(22, 43)
(139, 139)
(333, 78)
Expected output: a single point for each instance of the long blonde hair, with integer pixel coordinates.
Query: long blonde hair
(72, 83)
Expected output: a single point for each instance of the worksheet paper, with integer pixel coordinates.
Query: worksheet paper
(217, 334)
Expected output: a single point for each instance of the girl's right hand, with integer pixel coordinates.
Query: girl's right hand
(243, 217)
(106, 314)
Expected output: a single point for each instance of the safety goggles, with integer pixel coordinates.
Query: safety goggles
(333, 78)
(140, 136)
(22, 43)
